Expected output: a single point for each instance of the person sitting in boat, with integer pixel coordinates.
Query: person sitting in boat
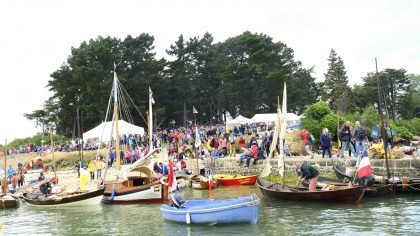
(163, 169)
(309, 173)
(14, 183)
(45, 188)
(41, 176)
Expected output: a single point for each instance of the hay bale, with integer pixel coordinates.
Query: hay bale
(296, 146)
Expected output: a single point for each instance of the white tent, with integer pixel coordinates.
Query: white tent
(239, 120)
(291, 118)
(123, 128)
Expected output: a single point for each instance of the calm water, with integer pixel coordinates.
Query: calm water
(400, 215)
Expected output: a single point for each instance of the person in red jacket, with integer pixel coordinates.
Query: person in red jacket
(241, 141)
(306, 135)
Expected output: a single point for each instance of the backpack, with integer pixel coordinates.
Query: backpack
(310, 137)
(361, 133)
(231, 139)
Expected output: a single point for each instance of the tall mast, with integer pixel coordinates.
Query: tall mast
(150, 119)
(383, 131)
(52, 152)
(117, 138)
(5, 168)
(78, 136)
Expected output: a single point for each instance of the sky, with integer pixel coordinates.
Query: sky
(37, 36)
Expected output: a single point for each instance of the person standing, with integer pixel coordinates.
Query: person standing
(309, 173)
(345, 137)
(325, 140)
(360, 137)
(10, 172)
(308, 140)
(202, 166)
(99, 165)
(91, 168)
(232, 146)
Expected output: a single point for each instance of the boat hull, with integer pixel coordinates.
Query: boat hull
(229, 180)
(343, 172)
(83, 199)
(280, 191)
(240, 210)
(372, 191)
(8, 201)
(153, 193)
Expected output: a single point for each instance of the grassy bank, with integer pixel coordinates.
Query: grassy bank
(63, 160)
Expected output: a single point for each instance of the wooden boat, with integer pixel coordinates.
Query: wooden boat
(232, 180)
(65, 199)
(237, 210)
(8, 201)
(404, 185)
(201, 182)
(285, 192)
(343, 172)
(376, 190)
(140, 186)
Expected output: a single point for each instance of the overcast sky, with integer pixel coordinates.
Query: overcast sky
(36, 36)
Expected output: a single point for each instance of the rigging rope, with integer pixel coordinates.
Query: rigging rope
(131, 100)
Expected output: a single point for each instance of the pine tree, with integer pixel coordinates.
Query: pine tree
(336, 90)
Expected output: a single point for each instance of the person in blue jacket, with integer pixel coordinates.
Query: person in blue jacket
(325, 140)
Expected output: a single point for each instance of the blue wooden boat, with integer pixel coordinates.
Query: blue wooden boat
(237, 210)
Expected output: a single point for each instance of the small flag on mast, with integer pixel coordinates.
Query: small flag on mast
(195, 110)
(151, 96)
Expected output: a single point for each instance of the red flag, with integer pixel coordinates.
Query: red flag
(210, 181)
(171, 179)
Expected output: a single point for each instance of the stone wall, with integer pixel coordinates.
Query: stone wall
(400, 167)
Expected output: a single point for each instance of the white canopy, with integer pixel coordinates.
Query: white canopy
(123, 128)
(292, 119)
(239, 120)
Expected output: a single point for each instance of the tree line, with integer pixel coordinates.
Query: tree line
(242, 75)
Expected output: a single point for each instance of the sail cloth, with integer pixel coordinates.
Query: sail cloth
(123, 128)
(283, 121)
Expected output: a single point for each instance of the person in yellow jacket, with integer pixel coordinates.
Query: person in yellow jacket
(91, 168)
(99, 165)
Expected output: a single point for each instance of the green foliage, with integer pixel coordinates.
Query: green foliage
(369, 118)
(37, 139)
(398, 96)
(243, 74)
(335, 88)
(402, 132)
(317, 111)
(413, 125)
(319, 116)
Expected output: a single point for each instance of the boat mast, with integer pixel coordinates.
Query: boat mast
(52, 152)
(384, 134)
(117, 138)
(150, 119)
(78, 136)
(5, 168)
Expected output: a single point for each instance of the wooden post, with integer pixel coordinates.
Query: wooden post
(52, 152)
(5, 169)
